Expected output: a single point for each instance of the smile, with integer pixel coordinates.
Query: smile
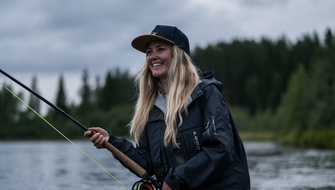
(156, 64)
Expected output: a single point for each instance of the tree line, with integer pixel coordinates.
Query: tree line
(287, 88)
(274, 85)
(108, 104)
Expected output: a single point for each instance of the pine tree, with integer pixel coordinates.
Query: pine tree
(34, 102)
(61, 100)
(329, 39)
(106, 96)
(86, 104)
(292, 113)
(9, 107)
(9, 113)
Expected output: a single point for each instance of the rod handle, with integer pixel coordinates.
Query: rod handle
(125, 159)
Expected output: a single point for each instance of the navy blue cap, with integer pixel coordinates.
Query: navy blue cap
(169, 34)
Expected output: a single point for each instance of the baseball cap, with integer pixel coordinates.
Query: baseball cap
(165, 33)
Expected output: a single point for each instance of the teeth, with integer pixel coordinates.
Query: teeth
(156, 64)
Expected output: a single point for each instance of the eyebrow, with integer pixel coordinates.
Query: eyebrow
(156, 46)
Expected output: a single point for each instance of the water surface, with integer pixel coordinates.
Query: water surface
(55, 165)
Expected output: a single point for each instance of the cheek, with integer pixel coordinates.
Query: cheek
(169, 63)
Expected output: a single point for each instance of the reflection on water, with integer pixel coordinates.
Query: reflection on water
(55, 165)
(58, 165)
(273, 167)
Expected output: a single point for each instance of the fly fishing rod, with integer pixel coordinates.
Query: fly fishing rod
(142, 184)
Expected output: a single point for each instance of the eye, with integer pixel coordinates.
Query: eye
(161, 49)
(148, 52)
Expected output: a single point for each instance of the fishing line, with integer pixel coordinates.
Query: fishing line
(40, 116)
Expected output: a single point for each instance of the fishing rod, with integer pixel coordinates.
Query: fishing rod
(145, 184)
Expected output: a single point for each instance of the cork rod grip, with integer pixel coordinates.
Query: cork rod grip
(125, 159)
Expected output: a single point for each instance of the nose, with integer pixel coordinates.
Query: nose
(152, 56)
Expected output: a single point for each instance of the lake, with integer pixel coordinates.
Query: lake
(55, 165)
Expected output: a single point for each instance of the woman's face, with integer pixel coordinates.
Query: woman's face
(159, 58)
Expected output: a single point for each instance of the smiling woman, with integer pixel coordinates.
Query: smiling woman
(159, 58)
(181, 125)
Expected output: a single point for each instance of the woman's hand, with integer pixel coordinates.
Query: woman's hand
(98, 136)
(166, 187)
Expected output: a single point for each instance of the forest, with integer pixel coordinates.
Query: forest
(277, 90)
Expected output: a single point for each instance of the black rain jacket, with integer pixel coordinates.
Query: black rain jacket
(213, 152)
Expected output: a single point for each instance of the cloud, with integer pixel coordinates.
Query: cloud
(49, 38)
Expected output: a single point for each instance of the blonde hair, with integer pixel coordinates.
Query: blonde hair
(182, 80)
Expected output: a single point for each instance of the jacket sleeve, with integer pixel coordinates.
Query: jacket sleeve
(140, 155)
(217, 152)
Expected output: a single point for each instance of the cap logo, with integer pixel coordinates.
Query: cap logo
(153, 33)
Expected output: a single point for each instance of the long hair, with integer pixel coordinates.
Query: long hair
(182, 80)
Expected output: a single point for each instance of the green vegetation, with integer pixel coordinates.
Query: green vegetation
(276, 89)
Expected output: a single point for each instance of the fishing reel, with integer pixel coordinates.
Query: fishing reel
(146, 184)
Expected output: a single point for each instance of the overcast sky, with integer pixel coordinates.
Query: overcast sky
(50, 38)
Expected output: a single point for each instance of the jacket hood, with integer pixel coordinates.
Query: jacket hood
(208, 78)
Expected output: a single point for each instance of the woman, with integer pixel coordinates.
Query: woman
(182, 127)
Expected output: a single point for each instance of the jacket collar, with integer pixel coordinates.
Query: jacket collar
(161, 98)
(161, 101)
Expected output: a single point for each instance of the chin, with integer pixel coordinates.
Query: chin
(156, 74)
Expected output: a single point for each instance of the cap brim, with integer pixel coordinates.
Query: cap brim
(140, 43)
